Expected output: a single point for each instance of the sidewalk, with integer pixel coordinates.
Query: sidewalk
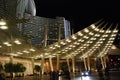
(114, 75)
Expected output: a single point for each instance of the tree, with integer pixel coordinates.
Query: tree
(14, 68)
(19, 68)
(22, 69)
(37, 68)
(1, 67)
(9, 68)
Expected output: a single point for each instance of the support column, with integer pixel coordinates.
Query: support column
(51, 65)
(88, 62)
(73, 64)
(102, 62)
(42, 64)
(68, 63)
(11, 59)
(58, 61)
(85, 64)
(32, 59)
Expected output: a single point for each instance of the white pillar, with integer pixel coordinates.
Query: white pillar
(68, 63)
(42, 64)
(58, 61)
(85, 64)
(11, 59)
(88, 62)
(32, 59)
(73, 63)
(102, 62)
(51, 65)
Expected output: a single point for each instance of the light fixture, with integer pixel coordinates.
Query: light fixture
(86, 30)
(17, 42)
(93, 26)
(80, 34)
(2, 22)
(32, 49)
(3, 27)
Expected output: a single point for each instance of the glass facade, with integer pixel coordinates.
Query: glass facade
(117, 40)
(7, 9)
(38, 27)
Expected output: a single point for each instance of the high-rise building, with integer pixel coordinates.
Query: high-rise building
(43, 30)
(40, 30)
(17, 8)
(117, 40)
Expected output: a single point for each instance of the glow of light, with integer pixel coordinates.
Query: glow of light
(105, 35)
(57, 45)
(7, 44)
(86, 30)
(113, 47)
(0, 46)
(2, 23)
(111, 38)
(86, 78)
(73, 37)
(113, 35)
(102, 31)
(96, 29)
(115, 31)
(62, 43)
(93, 39)
(25, 51)
(19, 53)
(51, 47)
(32, 49)
(14, 54)
(17, 42)
(3, 27)
(93, 26)
(82, 40)
(68, 40)
(97, 35)
(86, 37)
(91, 33)
(80, 34)
(108, 31)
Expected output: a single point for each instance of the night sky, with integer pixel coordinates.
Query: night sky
(81, 13)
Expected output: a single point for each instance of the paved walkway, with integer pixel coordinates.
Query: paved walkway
(114, 75)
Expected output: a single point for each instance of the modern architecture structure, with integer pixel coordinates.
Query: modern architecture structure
(39, 30)
(46, 31)
(117, 40)
(92, 42)
(17, 8)
(43, 30)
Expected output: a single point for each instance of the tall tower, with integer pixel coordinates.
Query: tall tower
(39, 28)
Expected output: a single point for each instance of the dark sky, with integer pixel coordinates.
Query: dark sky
(81, 13)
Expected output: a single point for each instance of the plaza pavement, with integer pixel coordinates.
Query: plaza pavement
(114, 75)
